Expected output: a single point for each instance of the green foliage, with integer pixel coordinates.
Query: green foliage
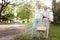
(8, 12)
(57, 15)
(10, 16)
(54, 34)
(24, 13)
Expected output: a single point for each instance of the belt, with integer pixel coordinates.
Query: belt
(44, 17)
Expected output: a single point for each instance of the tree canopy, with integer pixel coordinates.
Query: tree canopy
(24, 13)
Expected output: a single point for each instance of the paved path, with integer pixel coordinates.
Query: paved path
(11, 37)
(9, 32)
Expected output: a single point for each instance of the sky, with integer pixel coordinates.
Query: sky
(57, 0)
(46, 2)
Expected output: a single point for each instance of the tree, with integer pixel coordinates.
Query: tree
(3, 5)
(24, 13)
(8, 12)
(54, 9)
(54, 5)
(57, 15)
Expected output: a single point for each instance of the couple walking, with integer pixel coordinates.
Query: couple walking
(41, 17)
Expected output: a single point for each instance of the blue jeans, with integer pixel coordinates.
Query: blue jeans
(35, 22)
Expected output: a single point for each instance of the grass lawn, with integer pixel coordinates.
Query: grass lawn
(54, 33)
(29, 25)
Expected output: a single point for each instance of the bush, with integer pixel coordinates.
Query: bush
(10, 16)
(24, 13)
(57, 15)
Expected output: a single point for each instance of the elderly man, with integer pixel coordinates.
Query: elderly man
(37, 20)
(46, 21)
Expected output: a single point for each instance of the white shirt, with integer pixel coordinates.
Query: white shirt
(38, 13)
(47, 14)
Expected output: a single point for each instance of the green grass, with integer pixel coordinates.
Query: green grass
(27, 24)
(54, 33)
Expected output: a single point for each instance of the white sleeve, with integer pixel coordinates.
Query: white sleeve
(51, 15)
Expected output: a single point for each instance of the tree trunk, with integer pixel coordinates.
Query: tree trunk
(54, 9)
